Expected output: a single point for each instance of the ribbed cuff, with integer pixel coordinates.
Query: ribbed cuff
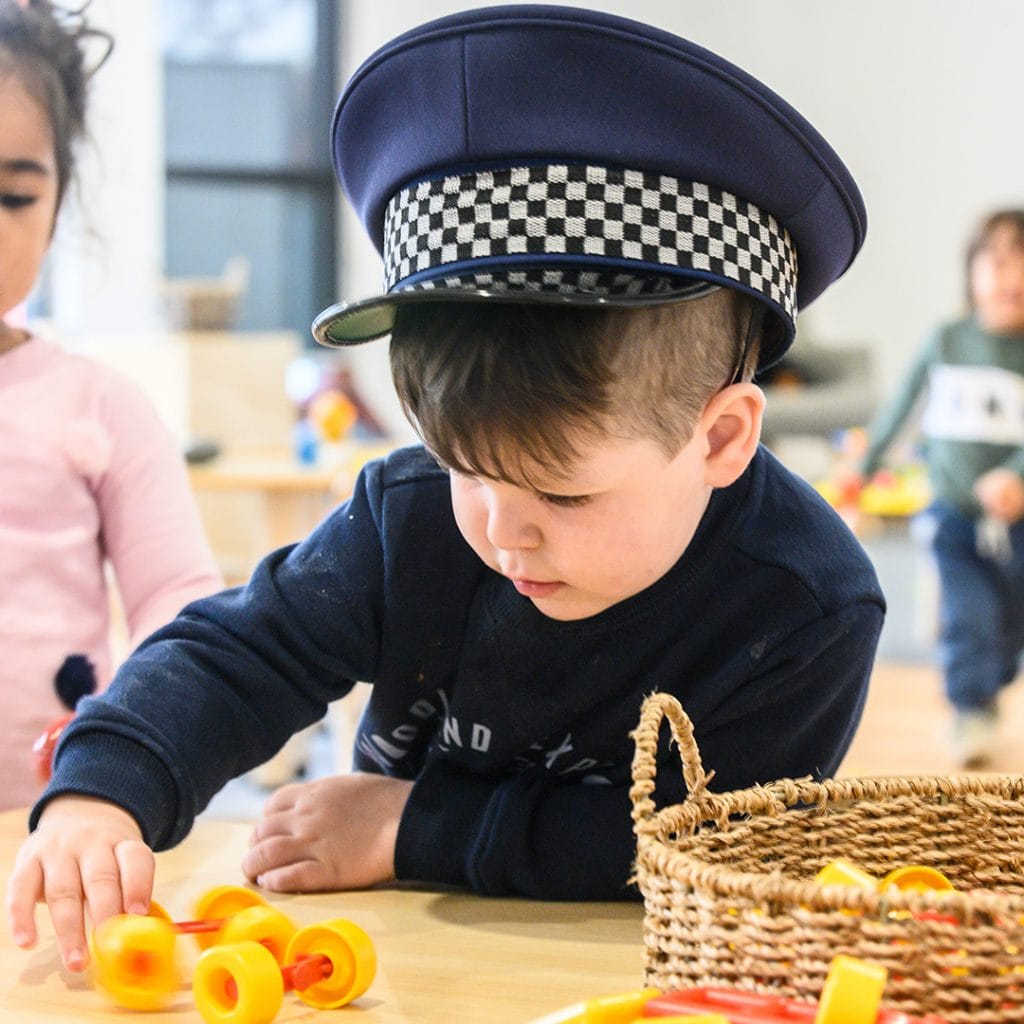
(440, 826)
(116, 769)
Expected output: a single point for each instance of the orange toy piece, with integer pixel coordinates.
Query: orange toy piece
(852, 995)
(332, 414)
(916, 878)
(45, 744)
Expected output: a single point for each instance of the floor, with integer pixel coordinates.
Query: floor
(901, 734)
(905, 720)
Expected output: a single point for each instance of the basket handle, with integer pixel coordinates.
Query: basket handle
(656, 707)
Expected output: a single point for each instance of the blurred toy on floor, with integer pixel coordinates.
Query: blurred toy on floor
(900, 492)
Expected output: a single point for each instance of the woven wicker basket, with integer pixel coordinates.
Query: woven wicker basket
(730, 896)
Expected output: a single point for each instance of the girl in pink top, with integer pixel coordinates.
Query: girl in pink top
(89, 477)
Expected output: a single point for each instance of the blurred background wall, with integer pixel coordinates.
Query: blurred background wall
(921, 98)
(210, 143)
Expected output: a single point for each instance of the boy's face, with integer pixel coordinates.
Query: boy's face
(579, 545)
(997, 282)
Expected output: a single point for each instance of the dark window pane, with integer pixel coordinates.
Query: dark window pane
(252, 116)
(286, 233)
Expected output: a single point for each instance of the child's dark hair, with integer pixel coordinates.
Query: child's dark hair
(501, 390)
(45, 47)
(1011, 218)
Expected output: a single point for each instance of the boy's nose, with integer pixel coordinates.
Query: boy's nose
(509, 522)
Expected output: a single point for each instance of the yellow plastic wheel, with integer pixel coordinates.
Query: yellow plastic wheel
(133, 961)
(223, 901)
(353, 961)
(157, 910)
(238, 984)
(266, 925)
(916, 878)
(852, 992)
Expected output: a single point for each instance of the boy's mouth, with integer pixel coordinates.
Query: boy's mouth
(535, 588)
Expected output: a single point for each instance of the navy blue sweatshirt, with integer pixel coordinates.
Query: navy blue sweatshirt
(515, 727)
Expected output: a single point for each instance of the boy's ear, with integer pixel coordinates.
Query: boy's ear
(731, 425)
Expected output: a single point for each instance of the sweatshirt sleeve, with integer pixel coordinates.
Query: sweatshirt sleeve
(151, 530)
(531, 837)
(219, 689)
(888, 423)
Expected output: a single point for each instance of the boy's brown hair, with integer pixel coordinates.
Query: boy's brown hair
(499, 390)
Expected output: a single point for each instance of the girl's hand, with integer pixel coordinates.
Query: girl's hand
(84, 854)
(1001, 494)
(333, 833)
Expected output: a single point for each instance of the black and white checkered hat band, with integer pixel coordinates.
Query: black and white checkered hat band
(534, 227)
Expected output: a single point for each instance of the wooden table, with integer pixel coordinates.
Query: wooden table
(253, 501)
(294, 497)
(443, 956)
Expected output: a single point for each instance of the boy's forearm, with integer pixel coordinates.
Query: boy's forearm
(513, 836)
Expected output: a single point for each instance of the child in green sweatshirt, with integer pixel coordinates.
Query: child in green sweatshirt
(968, 383)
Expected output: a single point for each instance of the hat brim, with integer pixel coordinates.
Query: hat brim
(352, 323)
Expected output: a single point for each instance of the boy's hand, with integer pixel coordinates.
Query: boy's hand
(1001, 494)
(84, 853)
(334, 833)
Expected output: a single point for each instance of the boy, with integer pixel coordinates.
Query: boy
(573, 335)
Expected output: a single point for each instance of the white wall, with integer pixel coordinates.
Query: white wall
(921, 98)
(108, 252)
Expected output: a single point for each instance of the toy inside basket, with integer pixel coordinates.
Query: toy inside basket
(728, 881)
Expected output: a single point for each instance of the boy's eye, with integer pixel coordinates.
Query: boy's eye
(566, 500)
(15, 201)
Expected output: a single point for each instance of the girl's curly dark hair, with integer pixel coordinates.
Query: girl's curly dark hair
(54, 52)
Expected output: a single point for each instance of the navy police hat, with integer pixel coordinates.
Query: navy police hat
(553, 154)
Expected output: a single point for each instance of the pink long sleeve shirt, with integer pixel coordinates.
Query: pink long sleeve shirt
(90, 479)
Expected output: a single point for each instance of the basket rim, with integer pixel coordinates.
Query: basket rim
(784, 795)
(702, 808)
